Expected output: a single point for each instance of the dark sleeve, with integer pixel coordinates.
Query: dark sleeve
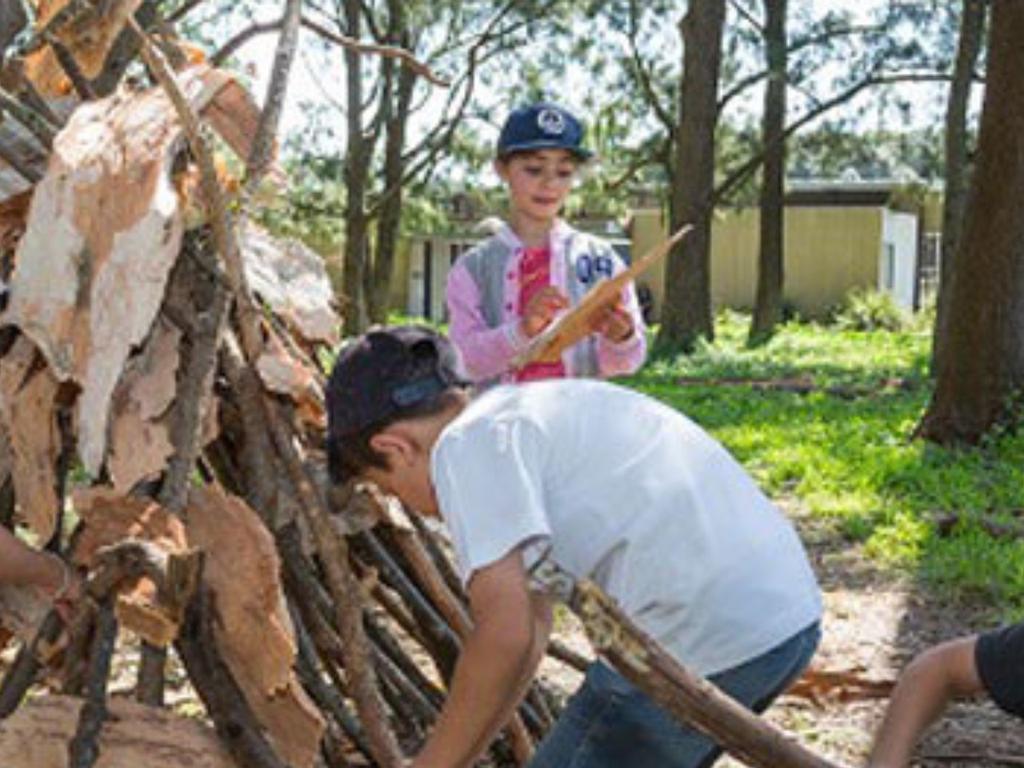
(999, 656)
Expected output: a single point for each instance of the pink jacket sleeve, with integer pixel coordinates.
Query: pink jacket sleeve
(626, 357)
(486, 352)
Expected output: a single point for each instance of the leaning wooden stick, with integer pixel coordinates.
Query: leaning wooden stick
(569, 328)
(692, 700)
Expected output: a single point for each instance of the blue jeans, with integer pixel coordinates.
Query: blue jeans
(609, 723)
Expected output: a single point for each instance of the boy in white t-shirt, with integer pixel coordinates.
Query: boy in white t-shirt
(613, 486)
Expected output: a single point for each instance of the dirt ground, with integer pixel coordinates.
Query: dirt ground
(875, 622)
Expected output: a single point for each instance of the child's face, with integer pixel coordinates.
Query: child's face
(407, 476)
(539, 181)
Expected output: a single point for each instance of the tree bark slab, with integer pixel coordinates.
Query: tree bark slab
(37, 736)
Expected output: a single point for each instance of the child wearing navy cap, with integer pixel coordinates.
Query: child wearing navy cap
(604, 483)
(510, 287)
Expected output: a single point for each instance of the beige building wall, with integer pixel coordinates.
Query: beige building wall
(828, 252)
(931, 211)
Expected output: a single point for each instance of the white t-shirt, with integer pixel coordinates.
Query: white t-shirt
(632, 494)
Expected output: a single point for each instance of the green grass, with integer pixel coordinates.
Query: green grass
(851, 461)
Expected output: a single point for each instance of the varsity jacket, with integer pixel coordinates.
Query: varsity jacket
(484, 312)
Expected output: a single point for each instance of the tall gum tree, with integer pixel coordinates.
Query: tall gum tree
(980, 351)
(770, 267)
(686, 315)
(972, 32)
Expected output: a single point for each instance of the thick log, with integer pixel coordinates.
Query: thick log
(37, 735)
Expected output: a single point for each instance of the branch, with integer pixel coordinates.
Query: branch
(443, 131)
(828, 34)
(641, 161)
(798, 45)
(23, 672)
(266, 132)
(67, 61)
(24, 170)
(181, 11)
(643, 76)
(198, 362)
(38, 125)
(229, 48)
(371, 22)
(406, 57)
(83, 751)
(742, 172)
(747, 16)
(68, 14)
(690, 699)
(739, 88)
(442, 134)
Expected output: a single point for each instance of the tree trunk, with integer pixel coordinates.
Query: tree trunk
(972, 27)
(357, 163)
(768, 303)
(390, 219)
(687, 311)
(980, 353)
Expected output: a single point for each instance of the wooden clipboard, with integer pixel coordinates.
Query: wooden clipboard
(575, 324)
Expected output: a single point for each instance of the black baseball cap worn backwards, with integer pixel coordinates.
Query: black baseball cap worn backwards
(543, 125)
(385, 372)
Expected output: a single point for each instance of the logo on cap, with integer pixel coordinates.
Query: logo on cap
(551, 122)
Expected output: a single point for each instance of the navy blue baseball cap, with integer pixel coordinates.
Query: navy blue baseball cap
(542, 126)
(386, 372)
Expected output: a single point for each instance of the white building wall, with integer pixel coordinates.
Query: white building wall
(897, 260)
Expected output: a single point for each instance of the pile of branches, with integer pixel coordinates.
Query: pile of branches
(158, 342)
